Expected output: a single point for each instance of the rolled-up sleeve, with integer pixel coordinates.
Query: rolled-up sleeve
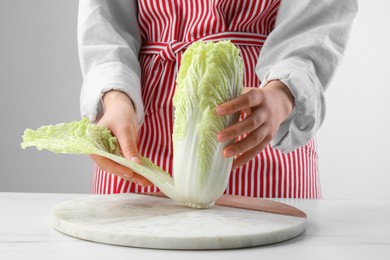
(303, 51)
(108, 43)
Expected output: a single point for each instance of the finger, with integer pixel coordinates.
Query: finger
(249, 124)
(247, 111)
(120, 170)
(140, 180)
(247, 156)
(245, 101)
(130, 152)
(255, 138)
(113, 167)
(128, 145)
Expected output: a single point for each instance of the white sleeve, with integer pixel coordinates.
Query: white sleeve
(108, 43)
(303, 51)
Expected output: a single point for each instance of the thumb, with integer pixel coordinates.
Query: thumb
(129, 148)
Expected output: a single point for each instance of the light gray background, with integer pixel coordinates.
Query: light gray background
(40, 83)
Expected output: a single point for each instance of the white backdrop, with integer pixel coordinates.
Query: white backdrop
(40, 82)
(354, 140)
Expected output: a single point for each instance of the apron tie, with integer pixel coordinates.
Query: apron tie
(167, 51)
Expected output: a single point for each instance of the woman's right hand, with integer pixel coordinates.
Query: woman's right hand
(119, 116)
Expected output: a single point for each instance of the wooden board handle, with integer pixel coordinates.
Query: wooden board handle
(251, 203)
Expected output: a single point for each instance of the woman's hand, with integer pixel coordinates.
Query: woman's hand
(119, 116)
(266, 108)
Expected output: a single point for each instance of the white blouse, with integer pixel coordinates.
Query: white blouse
(303, 51)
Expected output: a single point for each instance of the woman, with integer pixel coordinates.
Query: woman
(130, 53)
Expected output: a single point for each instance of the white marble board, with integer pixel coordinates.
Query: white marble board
(153, 222)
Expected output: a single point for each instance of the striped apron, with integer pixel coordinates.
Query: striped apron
(167, 28)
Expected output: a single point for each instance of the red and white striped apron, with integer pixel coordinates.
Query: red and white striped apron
(167, 28)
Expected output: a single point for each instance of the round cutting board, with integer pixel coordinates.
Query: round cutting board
(153, 222)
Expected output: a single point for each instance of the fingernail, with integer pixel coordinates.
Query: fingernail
(222, 137)
(136, 159)
(139, 183)
(219, 110)
(234, 168)
(127, 175)
(229, 153)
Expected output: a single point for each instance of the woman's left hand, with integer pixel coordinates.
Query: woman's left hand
(266, 109)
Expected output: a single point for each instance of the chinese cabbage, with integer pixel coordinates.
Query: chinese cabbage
(210, 74)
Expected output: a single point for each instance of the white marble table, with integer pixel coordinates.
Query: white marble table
(336, 229)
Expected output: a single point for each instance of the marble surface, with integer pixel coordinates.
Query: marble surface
(152, 222)
(336, 229)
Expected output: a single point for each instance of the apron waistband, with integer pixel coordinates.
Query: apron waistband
(168, 50)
